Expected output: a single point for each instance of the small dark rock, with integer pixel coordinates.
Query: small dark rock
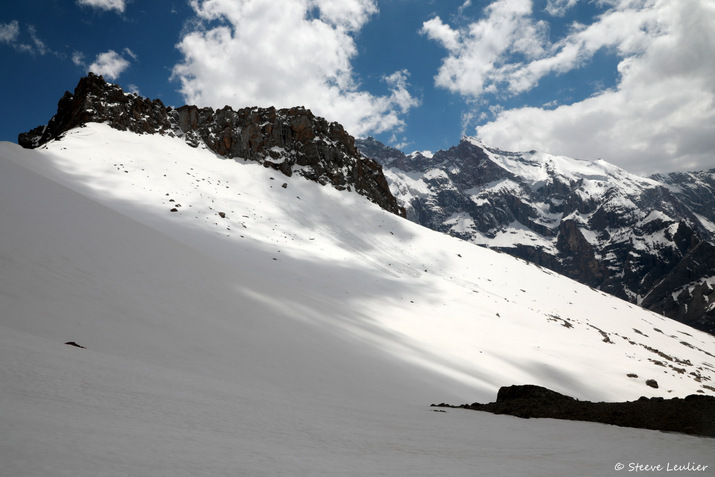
(652, 383)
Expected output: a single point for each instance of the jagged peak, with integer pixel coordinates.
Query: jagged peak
(291, 140)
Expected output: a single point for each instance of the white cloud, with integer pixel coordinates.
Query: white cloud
(558, 8)
(287, 53)
(476, 52)
(437, 30)
(350, 14)
(78, 58)
(464, 6)
(661, 115)
(400, 96)
(38, 45)
(118, 5)
(130, 53)
(658, 117)
(9, 32)
(110, 64)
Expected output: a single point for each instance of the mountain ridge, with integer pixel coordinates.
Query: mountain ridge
(292, 141)
(590, 221)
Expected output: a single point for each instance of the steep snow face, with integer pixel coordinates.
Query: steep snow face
(237, 319)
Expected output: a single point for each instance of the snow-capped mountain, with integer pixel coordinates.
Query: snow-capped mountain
(646, 240)
(292, 141)
(236, 320)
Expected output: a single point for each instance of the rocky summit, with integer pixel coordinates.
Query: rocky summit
(292, 141)
(646, 240)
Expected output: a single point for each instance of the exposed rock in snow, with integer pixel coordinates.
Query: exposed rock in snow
(692, 415)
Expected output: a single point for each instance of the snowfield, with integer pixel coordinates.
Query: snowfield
(272, 326)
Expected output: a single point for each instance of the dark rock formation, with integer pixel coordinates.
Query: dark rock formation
(695, 414)
(579, 256)
(645, 240)
(95, 100)
(683, 294)
(292, 141)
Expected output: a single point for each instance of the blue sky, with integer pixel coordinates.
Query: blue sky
(628, 81)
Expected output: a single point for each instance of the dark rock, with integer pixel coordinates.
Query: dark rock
(72, 343)
(579, 260)
(682, 294)
(95, 100)
(694, 414)
(529, 391)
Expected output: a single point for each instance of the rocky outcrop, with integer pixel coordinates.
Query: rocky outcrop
(644, 240)
(694, 414)
(292, 141)
(95, 100)
(579, 256)
(696, 190)
(687, 292)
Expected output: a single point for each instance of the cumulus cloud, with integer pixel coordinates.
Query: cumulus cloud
(476, 52)
(655, 118)
(110, 64)
(288, 53)
(118, 5)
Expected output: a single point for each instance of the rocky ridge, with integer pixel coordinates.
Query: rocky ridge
(646, 240)
(292, 141)
(694, 414)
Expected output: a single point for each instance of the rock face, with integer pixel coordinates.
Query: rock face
(646, 240)
(292, 141)
(694, 414)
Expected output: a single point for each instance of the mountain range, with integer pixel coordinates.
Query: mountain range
(646, 240)
(167, 308)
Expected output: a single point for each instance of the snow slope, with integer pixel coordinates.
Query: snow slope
(298, 330)
(644, 240)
